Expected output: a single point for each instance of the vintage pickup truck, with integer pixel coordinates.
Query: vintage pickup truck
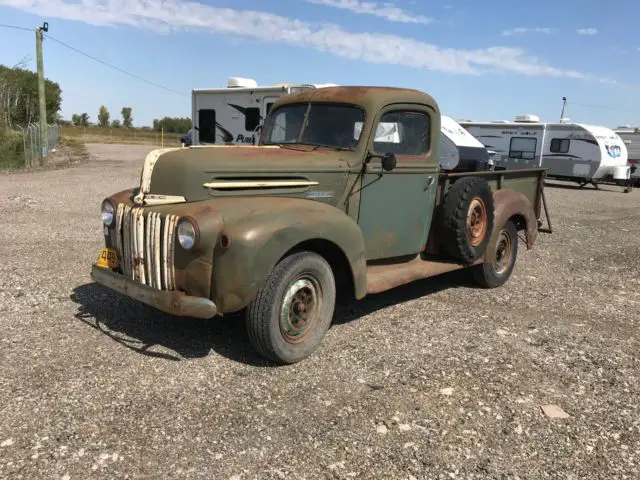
(343, 196)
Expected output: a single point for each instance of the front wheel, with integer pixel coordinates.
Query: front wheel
(292, 312)
(503, 259)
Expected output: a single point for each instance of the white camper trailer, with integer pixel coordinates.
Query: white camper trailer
(631, 139)
(459, 150)
(233, 115)
(569, 151)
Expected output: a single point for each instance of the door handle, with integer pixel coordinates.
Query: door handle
(429, 182)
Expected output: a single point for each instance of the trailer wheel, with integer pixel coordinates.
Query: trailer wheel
(290, 315)
(503, 259)
(467, 219)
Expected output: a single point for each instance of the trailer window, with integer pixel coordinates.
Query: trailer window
(522, 147)
(207, 125)
(402, 133)
(251, 119)
(560, 145)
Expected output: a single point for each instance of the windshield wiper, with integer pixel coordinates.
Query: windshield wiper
(333, 147)
(290, 147)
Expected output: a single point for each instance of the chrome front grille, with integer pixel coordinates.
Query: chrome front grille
(146, 246)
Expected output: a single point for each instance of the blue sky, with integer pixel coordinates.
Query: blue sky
(480, 60)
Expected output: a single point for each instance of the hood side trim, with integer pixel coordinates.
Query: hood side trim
(262, 184)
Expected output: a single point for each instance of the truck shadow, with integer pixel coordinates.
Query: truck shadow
(152, 333)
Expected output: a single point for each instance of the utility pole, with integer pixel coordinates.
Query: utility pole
(44, 137)
(564, 107)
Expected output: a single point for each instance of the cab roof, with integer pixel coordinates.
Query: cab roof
(370, 98)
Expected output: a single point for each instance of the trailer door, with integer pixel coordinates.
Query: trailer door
(267, 104)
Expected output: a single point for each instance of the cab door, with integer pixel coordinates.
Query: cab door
(396, 206)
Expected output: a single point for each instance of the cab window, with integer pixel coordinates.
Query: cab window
(403, 133)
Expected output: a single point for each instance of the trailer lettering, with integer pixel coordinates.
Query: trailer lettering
(247, 140)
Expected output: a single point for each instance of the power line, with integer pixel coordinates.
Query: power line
(97, 60)
(600, 106)
(16, 27)
(114, 67)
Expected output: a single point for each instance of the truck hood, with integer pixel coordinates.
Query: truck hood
(190, 174)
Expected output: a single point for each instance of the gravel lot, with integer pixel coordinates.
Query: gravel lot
(438, 379)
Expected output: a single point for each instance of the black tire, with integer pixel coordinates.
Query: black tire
(288, 339)
(503, 259)
(462, 237)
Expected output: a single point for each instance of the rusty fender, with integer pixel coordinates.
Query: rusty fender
(260, 231)
(509, 203)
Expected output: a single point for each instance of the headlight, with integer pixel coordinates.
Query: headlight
(107, 213)
(187, 234)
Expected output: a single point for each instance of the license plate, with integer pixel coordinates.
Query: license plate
(108, 258)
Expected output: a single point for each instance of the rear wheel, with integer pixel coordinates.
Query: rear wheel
(503, 259)
(291, 313)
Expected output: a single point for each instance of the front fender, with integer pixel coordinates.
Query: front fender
(262, 230)
(507, 204)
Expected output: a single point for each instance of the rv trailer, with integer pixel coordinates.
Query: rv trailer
(631, 138)
(234, 116)
(459, 150)
(569, 151)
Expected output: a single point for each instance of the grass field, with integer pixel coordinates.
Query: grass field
(120, 135)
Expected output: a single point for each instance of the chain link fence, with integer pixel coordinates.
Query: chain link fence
(33, 146)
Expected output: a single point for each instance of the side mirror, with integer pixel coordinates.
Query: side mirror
(389, 162)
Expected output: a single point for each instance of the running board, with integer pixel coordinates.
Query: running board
(385, 277)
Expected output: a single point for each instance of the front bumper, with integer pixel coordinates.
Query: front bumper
(173, 302)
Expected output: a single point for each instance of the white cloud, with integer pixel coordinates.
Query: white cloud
(522, 30)
(587, 31)
(167, 15)
(388, 11)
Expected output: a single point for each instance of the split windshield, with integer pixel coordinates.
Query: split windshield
(318, 124)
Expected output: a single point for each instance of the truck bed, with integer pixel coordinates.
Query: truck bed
(529, 182)
(392, 273)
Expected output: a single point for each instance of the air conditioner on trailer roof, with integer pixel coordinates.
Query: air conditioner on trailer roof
(239, 82)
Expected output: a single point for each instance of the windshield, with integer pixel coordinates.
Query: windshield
(319, 124)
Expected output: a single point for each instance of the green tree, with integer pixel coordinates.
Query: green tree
(84, 120)
(173, 124)
(103, 116)
(115, 123)
(76, 119)
(19, 97)
(127, 119)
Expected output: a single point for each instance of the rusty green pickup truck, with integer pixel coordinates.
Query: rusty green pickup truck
(342, 197)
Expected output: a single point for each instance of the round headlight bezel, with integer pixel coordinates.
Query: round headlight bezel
(187, 228)
(107, 213)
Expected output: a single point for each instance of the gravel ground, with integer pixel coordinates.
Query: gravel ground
(438, 379)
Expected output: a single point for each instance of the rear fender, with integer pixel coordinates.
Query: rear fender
(258, 241)
(507, 204)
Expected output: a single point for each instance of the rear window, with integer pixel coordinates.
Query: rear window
(207, 125)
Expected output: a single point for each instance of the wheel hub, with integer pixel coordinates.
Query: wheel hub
(477, 221)
(503, 252)
(300, 309)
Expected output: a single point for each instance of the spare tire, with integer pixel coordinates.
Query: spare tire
(467, 217)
